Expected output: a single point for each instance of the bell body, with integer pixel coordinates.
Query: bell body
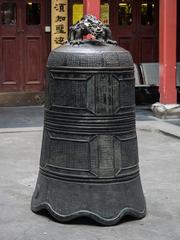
(89, 159)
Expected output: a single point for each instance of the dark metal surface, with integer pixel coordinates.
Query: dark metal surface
(89, 159)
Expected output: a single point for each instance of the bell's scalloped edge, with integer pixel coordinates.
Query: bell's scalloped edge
(105, 203)
(84, 213)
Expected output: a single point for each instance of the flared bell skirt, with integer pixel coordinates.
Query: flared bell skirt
(107, 202)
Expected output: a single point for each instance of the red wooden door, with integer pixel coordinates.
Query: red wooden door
(134, 25)
(23, 50)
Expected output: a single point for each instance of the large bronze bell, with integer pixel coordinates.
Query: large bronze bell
(89, 159)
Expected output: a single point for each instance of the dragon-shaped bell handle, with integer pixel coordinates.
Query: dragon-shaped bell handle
(89, 24)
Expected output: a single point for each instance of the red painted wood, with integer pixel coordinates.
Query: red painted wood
(9, 45)
(34, 54)
(92, 7)
(10, 54)
(33, 61)
(167, 57)
(23, 50)
(140, 40)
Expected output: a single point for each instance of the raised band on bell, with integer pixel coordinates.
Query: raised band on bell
(89, 157)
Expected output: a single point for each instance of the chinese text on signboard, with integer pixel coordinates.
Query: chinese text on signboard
(59, 22)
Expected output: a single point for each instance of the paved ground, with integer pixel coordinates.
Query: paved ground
(159, 152)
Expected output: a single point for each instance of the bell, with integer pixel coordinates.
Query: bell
(89, 157)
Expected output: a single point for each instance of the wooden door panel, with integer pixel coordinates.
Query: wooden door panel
(34, 41)
(10, 63)
(126, 43)
(147, 49)
(33, 60)
(23, 45)
(10, 42)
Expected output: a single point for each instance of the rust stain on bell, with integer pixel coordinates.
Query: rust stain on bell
(89, 157)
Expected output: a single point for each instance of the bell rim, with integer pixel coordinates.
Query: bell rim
(84, 213)
(37, 206)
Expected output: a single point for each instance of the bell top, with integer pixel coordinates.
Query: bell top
(90, 54)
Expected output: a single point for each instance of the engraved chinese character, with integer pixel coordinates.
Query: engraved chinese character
(59, 40)
(60, 7)
(60, 18)
(60, 29)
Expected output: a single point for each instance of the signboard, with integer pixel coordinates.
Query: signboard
(59, 22)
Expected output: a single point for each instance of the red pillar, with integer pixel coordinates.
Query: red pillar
(167, 51)
(92, 7)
